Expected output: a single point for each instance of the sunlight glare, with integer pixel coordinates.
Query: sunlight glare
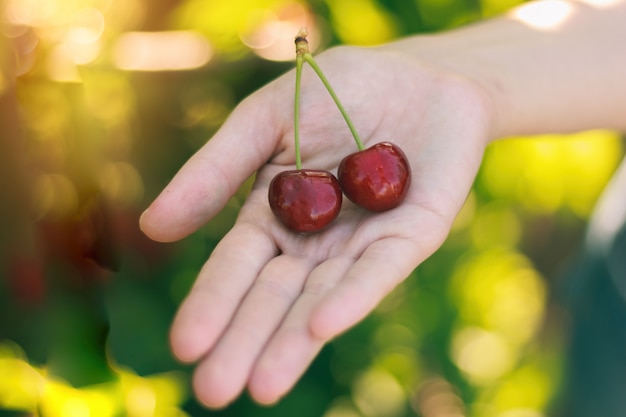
(87, 27)
(270, 34)
(544, 15)
(29, 12)
(82, 42)
(601, 3)
(61, 65)
(161, 51)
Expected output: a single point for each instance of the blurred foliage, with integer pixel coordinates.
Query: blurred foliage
(112, 96)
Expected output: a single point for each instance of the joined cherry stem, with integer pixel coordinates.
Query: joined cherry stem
(296, 113)
(303, 54)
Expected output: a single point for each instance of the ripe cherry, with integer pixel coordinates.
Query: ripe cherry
(305, 200)
(376, 178)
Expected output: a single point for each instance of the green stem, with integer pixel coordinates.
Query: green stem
(296, 112)
(311, 61)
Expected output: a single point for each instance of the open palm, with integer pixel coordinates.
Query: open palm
(267, 299)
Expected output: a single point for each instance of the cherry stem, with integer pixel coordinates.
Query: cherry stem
(302, 53)
(311, 61)
(296, 113)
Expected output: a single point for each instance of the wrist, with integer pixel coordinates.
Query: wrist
(561, 78)
(449, 58)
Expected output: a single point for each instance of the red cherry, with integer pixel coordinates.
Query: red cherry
(376, 178)
(305, 200)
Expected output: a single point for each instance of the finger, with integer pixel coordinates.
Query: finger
(376, 273)
(293, 347)
(221, 377)
(210, 177)
(221, 285)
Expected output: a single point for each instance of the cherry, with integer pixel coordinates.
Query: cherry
(376, 178)
(305, 200)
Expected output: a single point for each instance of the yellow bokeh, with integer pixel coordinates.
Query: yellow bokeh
(109, 97)
(222, 21)
(549, 172)
(152, 396)
(499, 290)
(20, 385)
(482, 355)
(361, 22)
(402, 363)
(496, 7)
(62, 400)
(526, 389)
(342, 407)
(24, 387)
(495, 224)
(54, 196)
(121, 183)
(378, 394)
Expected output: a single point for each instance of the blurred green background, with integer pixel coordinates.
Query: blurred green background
(112, 96)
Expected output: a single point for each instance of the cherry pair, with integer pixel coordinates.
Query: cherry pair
(308, 200)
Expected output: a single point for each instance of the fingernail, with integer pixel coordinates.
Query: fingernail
(142, 218)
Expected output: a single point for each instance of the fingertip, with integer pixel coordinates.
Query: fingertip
(322, 324)
(145, 223)
(157, 224)
(148, 226)
(283, 363)
(184, 350)
(263, 388)
(189, 337)
(265, 399)
(211, 393)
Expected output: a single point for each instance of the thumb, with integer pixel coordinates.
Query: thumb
(212, 175)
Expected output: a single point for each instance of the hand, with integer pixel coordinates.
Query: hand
(267, 299)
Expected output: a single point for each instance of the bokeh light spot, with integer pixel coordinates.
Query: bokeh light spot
(499, 290)
(436, 397)
(545, 14)
(362, 22)
(482, 355)
(548, 172)
(121, 183)
(87, 27)
(141, 401)
(521, 412)
(527, 388)
(162, 51)
(342, 407)
(54, 196)
(270, 33)
(495, 225)
(378, 394)
(62, 66)
(20, 384)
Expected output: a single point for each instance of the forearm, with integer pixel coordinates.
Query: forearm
(563, 77)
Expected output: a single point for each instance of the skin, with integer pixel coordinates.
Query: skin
(267, 299)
